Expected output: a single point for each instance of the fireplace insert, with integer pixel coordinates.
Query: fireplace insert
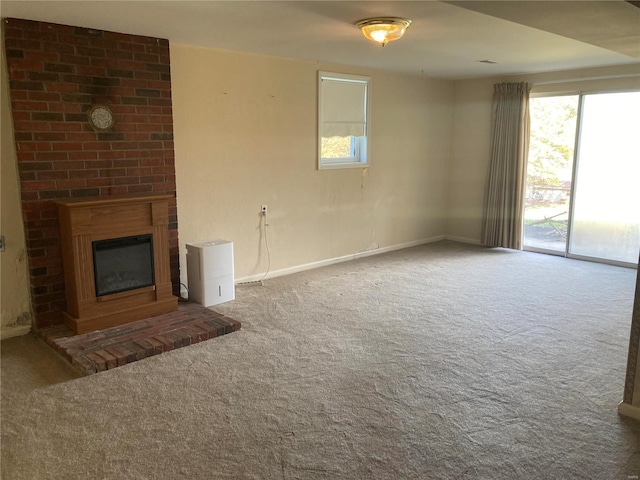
(122, 264)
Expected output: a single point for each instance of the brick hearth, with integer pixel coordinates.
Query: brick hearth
(113, 347)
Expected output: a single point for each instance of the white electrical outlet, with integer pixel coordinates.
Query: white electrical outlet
(264, 209)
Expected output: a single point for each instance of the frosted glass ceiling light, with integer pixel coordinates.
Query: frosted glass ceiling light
(383, 29)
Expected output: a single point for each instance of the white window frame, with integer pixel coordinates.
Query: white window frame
(359, 157)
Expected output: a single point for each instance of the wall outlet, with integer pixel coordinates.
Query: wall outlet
(264, 209)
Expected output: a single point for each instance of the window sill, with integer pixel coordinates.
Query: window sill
(336, 166)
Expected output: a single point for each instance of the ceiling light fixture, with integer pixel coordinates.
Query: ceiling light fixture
(383, 29)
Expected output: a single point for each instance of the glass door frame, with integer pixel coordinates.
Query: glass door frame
(576, 156)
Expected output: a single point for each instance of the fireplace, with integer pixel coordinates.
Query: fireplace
(115, 253)
(122, 264)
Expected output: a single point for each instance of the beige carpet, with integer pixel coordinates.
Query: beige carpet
(438, 362)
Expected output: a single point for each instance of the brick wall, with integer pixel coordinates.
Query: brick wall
(56, 74)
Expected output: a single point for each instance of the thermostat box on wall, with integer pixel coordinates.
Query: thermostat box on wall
(210, 272)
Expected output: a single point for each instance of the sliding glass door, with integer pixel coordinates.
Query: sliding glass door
(606, 210)
(585, 203)
(550, 172)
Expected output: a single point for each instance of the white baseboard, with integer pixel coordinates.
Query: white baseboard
(453, 238)
(9, 332)
(400, 246)
(629, 410)
(344, 258)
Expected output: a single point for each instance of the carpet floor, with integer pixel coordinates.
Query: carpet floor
(437, 362)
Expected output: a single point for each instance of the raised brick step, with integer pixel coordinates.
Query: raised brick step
(113, 347)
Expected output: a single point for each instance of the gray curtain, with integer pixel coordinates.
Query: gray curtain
(504, 195)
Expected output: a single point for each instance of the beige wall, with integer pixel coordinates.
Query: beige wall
(245, 135)
(636, 391)
(635, 327)
(14, 284)
(469, 157)
(471, 133)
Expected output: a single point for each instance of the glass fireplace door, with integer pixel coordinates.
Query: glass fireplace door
(122, 264)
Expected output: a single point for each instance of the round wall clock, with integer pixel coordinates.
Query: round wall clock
(101, 118)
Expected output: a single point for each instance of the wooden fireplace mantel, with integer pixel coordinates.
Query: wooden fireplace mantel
(83, 221)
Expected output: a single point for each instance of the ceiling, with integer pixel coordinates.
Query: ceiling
(446, 39)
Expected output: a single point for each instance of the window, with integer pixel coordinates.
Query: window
(343, 120)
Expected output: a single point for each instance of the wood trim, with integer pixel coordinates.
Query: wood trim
(128, 293)
(629, 411)
(631, 387)
(87, 220)
(113, 200)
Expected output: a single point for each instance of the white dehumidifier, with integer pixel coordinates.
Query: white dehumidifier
(210, 272)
